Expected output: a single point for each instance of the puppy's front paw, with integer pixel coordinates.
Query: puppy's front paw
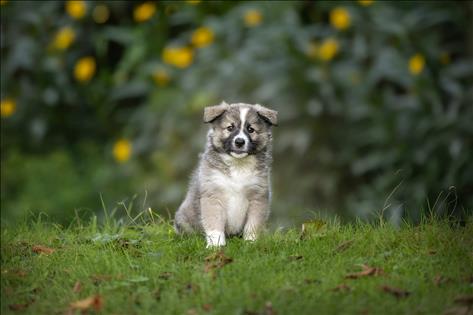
(215, 239)
(250, 237)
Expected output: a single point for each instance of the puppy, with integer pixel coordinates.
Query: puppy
(230, 191)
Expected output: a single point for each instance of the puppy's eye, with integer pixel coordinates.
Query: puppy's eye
(231, 127)
(249, 129)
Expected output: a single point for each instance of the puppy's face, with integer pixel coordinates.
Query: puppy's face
(240, 129)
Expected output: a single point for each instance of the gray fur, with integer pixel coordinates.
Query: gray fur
(229, 192)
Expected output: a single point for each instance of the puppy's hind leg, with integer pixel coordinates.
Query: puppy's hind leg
(183, 219)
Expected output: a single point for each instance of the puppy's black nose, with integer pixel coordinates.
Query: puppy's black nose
(239, 142)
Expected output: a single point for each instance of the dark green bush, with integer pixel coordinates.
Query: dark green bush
(375, 101)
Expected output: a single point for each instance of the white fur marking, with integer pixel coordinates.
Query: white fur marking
(241, 134)
(215, 238)
(239, 155)
(235, 187)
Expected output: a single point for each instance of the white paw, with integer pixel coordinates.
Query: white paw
(215, 239)
(250, 237)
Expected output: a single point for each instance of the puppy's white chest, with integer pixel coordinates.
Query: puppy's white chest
(235, 186)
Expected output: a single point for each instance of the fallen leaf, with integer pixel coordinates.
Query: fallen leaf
(77, 287)
(18, 307)
(215, 261)
(341, 288)
(165, 275)
(192, 311)
(439, 280)
(40, 249)
(268, 309)
(464, 300)
(97, 279)
(296, 257)
(432, 252)
(399, 293)
(367, 271)
(343, 246)
(310, 281)
(207, 307)
(92, 302)
(458, 310)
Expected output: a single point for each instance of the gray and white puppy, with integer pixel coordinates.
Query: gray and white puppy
(229, 192)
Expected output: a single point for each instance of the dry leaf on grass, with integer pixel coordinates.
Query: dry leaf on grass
(341, 288)
(77, 287)
(296, 257)
(216, 260)
(459, 310)
(367, 271)
(399, 293)
(40, 249)
(94, 302)
(165, 275)
(207, 307)
(466, 300)
(439, 280)
(18, 307)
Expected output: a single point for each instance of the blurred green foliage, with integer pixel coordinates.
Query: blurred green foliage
(106, 97)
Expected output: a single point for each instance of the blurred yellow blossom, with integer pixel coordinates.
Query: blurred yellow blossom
(340, 18)
(416, 64)
(445, 58)
(328, 49)
(7, 107)
(64, 38)
(122, 150)
(161, 77)
(76, 8)
(180, 57)
(101, 14)
(253, 18)
(2, 2)
(201, 37)
(84, 69)
(194, 2)
(144, 12)
(365, 2)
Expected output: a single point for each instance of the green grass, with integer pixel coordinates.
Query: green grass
(146, 269)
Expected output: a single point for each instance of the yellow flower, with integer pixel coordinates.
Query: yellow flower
(101, 14)
(76, 8)
(64, 38)
(203, 36)
(7, 107)
(180, 57)
(2, 2)
(144, 12)
(328, 49)
(84, 69)
(161, 77)
(253, 18)
(365, 2)
(194, 2)
(340, 18)
(416, 64)
(122, 150)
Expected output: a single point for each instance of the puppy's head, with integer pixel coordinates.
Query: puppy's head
(240, 129)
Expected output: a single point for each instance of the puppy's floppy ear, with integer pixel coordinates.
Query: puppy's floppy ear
(213, 112)
(268, 115)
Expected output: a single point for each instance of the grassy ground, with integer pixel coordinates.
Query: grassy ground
(427, 269)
